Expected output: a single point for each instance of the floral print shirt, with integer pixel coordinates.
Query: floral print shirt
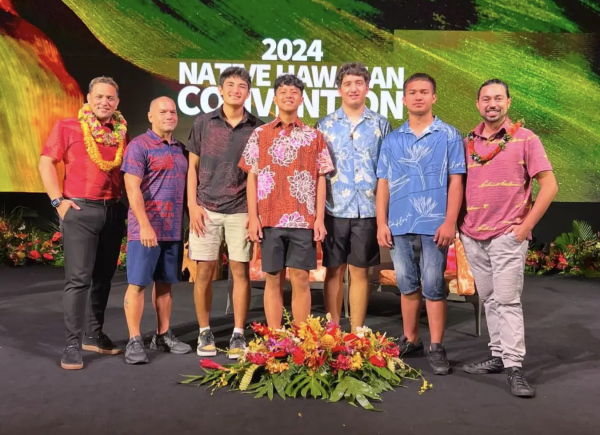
(288, 160)
(355, 151)
(417, 170)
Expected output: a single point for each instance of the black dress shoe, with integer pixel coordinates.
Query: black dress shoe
(100, 344)
(409, 349)
(518, 384)
(492, 364)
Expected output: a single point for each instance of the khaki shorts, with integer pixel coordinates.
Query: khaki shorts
(233, 228)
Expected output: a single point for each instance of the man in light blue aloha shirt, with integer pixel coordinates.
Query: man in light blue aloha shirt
(354, 135)
(420, 173)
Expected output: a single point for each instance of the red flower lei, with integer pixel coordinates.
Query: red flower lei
(501, 145)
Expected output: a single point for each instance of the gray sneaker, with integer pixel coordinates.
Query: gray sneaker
(167, 342)
(237, 346)
(206, 344)
(135, 352)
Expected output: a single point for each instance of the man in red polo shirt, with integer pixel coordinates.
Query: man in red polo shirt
(92, 218)
(503, 158)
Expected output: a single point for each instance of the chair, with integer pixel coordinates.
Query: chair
(459, 282)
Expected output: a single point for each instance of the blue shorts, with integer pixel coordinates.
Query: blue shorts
(159, 264)
(428, 275)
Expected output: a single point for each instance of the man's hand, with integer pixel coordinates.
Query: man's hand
(198, 219)
(66, 204)
(148, 237)
(319, 230)
(444, 236)
(384, 236)
(255, 230)
(521, 232)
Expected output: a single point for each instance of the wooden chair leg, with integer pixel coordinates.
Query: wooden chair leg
(477, 309)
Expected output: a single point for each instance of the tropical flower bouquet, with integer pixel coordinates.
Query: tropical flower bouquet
(314, 359)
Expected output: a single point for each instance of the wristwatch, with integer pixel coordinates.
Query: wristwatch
(56, 202)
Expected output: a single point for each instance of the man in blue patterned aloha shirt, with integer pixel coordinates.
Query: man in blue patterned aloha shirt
(420, 173)
(354, 135)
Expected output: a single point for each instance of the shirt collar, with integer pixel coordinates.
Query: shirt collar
(218, 113)
(157, 138)
(434, 126)
(339, 114)
(501, 131)
(296, 123)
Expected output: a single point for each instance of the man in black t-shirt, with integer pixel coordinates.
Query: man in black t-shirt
(217, 204)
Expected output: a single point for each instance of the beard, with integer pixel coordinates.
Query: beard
(499, 115)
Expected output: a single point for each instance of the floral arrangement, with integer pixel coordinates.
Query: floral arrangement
(19, 246)
(94, 134)
(314, 359)
(573, 253)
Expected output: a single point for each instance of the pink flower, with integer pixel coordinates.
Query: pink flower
(208, 364)
(294, 220)
(266, 182)
(34, 255)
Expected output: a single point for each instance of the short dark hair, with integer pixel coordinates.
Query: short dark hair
(493, 82)
(352, 69)
(288, 80)
(235, 71)
(420, 76)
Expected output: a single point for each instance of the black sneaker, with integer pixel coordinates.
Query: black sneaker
(71, 357)
(167, 342)
(206, 344)
(438, 360)
(518, 384)
(237, 346)
(409, 349)
(492, 364)
(135, 352)
(100, 344)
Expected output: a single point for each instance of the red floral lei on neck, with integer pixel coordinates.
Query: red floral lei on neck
(501, 145)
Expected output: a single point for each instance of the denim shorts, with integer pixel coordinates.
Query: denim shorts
(159, 264)
(428, 274)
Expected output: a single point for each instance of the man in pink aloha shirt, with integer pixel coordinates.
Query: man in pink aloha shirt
(503, 158)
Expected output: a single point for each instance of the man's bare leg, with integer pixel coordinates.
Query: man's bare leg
(333, 291)
(273, 298)
(359, 295)
(241, 292)
(134, 308)
(203, 292)
(301, 301)
(162, 302)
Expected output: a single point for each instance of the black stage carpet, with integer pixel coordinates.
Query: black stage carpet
(109, 397)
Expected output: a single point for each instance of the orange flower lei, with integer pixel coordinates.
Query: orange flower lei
(501, 145)
(94, 134)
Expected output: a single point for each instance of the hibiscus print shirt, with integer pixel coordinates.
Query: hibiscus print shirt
(288, 160)
(355, 151)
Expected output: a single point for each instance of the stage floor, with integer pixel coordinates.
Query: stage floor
(563, 342)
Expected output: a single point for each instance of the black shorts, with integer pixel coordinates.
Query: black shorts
(288, 247)
(350, 241)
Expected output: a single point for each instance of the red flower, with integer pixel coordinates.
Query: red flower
(299, 356)
(119, 262)
(338, 348)
(341, 363)
(260, 329)
(392, 350)
(278, 354)
(256, 358)
(208, 364)
(377, 361)
(21, 236)
(56, 237)
(322, 359)
(48, 257)
(34, 255)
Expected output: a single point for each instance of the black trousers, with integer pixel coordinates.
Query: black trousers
(92, 241)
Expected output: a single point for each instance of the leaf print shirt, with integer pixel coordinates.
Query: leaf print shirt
(417, 170)
(355, 151)
(288, 161)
